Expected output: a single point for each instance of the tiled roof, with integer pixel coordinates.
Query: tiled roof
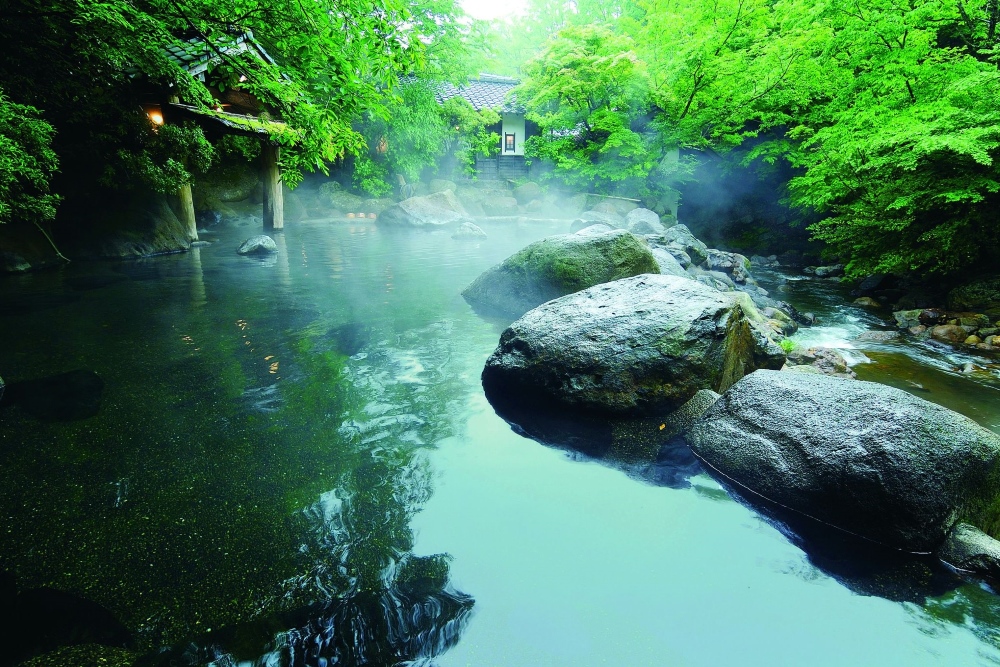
(487, 92)
(194, 55)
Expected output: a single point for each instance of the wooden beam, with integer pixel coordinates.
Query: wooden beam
(274, 204)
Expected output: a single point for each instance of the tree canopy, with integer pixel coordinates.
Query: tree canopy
(887, 111)
(588, 93)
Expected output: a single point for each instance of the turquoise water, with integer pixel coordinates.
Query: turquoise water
(293, 463)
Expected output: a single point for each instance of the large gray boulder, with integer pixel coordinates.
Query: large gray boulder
(581, 224)
(469, 232)
(440, 185)
(867, 458)
(499, 205)
(556, 266)
(637, 346)
(429, 211)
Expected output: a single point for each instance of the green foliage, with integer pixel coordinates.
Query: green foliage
(888, 112)
(510, 43)
(588, 92)
(413, 135)
(370, 176)
(469, 131)
(170, 155)
(333, 62)
(238, 146)
(418, 131)
(27, 164)
(787, 345)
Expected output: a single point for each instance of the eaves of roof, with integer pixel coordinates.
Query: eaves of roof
(489, 91)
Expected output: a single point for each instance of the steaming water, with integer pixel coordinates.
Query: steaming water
(293, 463)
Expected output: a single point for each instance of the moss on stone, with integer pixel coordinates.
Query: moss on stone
(557, 266)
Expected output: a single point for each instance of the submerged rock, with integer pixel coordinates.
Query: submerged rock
(258, 245)
(970, 549)
(556, 266)
(609, 218)
(64, 397)
(637, 346)
(469, 231)
(433, 210)
(869, 459)
(832, 271)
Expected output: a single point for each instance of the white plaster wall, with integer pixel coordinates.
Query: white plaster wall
(513, 123)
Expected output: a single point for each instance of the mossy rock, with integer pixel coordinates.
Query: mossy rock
(559, 265)
(144, 225)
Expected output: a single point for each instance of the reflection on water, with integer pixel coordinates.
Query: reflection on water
(246, 462)
(291, 462)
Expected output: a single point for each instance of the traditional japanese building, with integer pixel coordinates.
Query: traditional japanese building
(235, 111)
(490, 91)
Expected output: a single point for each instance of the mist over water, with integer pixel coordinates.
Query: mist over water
(293, 462)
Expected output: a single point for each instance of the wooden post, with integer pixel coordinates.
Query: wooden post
(187, 200)
(274, 203)
(187, 212)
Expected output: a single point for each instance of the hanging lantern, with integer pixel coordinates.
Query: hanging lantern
(155, 114)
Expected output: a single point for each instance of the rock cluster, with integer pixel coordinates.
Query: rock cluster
(820, 360)
(680, 253)
(973, 330)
